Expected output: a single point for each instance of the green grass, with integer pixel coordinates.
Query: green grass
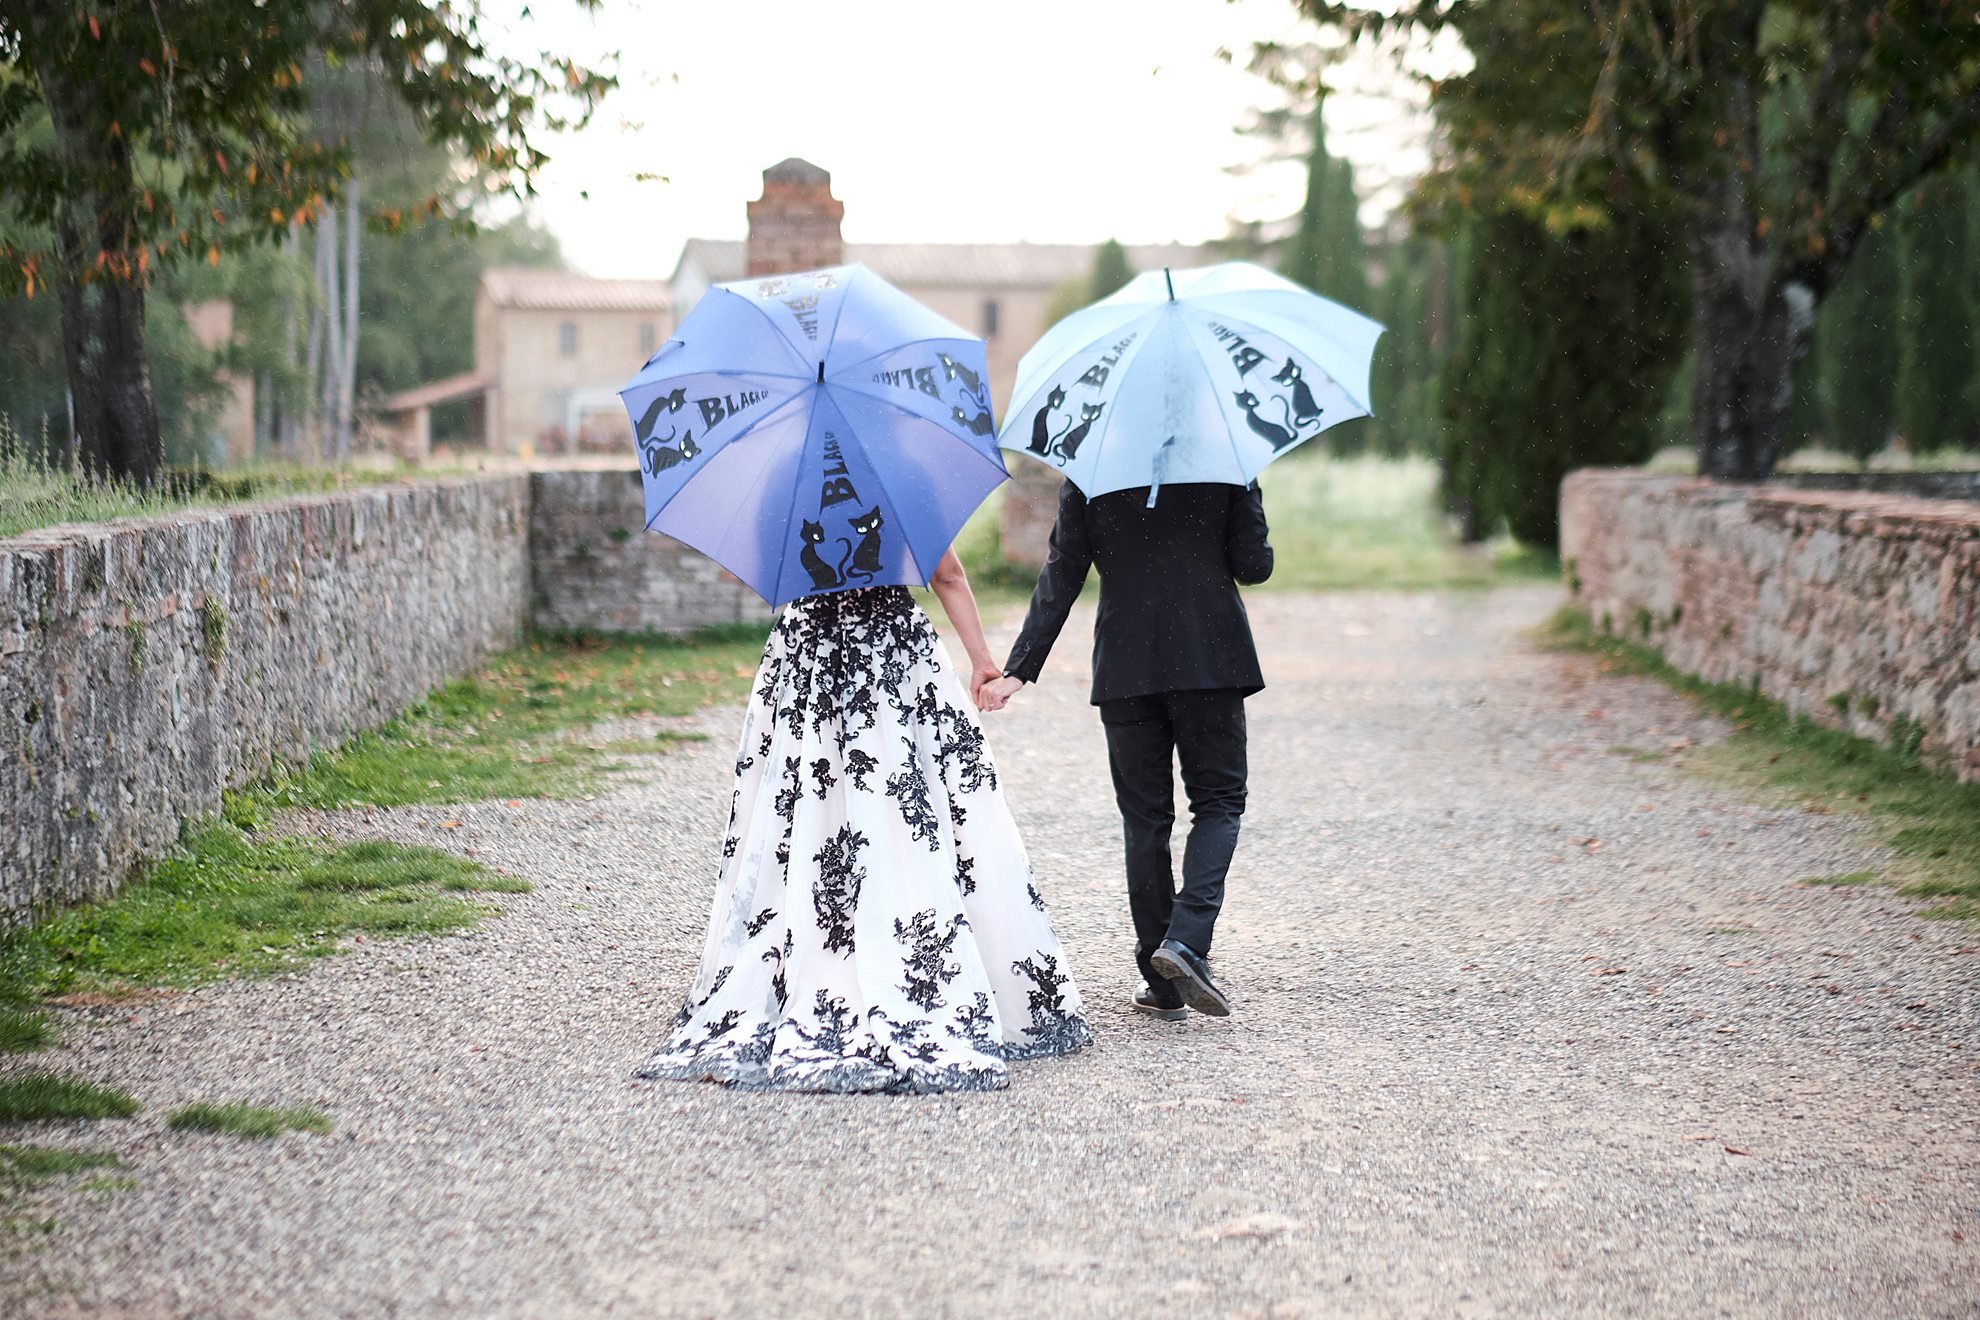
(231, 901)
(23, 1029)
(521, 727)
(248, 1120)
(29, 1166)
(44, 1096)
(1928, 818)
(1374, 524)
(34, 496)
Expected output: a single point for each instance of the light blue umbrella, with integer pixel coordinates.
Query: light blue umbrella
(815, 432)
(1189, 375)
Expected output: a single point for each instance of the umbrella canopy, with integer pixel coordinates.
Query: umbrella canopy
(815, 432)
(1189, 375)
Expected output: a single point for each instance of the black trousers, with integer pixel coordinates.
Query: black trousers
(1205, 732)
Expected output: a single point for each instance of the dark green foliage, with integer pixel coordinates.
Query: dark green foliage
(1938, 282)
(1857, 343)
(1327, 253)
(1566, 348)
(1414, 301)
(1111, 271)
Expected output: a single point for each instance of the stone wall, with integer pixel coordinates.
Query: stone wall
(1860, 609)
(147, 665)
(594, 567)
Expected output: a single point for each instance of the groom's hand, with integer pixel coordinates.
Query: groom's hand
(997, 693)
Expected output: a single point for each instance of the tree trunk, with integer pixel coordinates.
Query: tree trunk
(115, 424)
(1750, 326)
(347, 377)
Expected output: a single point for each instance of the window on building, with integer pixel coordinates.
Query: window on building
(989, 318)
(567, 339)
(649, 338)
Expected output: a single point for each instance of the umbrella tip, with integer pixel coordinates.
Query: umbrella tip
(1170, 281)
(821, 373)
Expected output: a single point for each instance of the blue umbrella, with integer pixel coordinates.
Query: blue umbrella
(815, 432)
(1189, 375)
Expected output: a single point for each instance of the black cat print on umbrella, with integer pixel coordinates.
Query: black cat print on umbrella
(1189, 376)
(815, 432)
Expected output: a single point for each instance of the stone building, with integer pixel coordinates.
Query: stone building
(552, 348)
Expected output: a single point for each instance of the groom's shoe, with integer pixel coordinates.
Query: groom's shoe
(1190, 976)
(1160, 1001)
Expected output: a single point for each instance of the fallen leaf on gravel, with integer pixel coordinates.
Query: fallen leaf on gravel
(1595, 714)
(1609, 971)
(1833, 989)
(1728, 1031)
(1555, 857)
(512, 802)
(1734, 1150)
(1700, 1136)
(1264, 1224)
(450, 824)
(1919, 1004)
(1677, 745)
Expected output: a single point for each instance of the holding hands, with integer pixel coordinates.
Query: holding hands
(993, 691)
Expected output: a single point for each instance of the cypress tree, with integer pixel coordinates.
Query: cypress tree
(1565, 353)
(1935, 313)
(1857, 342)
(1110, 271)
(1328, 254)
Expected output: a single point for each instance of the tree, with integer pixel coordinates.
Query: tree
(1111, 271)
(180, 131)
(1856, 346)
(1327, 253)
(1566, 346)
(1776, 130)
(1936, 316)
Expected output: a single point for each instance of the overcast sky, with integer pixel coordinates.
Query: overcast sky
(1046, 120)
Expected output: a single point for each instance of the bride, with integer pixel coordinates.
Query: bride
(876, 927)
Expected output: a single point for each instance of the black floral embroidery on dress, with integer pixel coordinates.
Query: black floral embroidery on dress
(1054, 1029)
(756, 923)
(964, 756)
(721, 1027)
(965, 874)
(1031, 892)
(907, 1038)
(858, 766)
(835, 895)
(779, 959)
(787, 797)
(927, 966)
(910, 787)
(715, 986)
(822, 778)
(977, 1024)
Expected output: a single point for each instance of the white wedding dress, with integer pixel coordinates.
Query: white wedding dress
(876, 927)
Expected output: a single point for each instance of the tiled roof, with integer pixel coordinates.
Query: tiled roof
(1010, 265)
(540, 289)
(464, 386)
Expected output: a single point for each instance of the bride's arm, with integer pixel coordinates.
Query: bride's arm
(951, 586)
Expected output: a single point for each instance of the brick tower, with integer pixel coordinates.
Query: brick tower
(795, 224)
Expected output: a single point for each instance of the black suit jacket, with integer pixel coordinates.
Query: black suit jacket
(1170, 618)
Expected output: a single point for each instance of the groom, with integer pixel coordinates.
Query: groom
(1173, 662)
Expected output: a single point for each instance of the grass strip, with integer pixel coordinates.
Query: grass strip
(522, 726)
(1930, 820)
(44, 1096)
(29, 1166)
(252, 1121)
(232, 901)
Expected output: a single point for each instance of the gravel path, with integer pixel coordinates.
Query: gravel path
(1526, 1026)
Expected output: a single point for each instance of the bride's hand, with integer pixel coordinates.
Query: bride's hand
(997, 694)
(981, 673)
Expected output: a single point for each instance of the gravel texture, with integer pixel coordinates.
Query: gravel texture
(1526, 1026)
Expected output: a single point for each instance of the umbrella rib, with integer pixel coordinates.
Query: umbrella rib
(1202, 365)
(1107, 431)
(777, 330)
